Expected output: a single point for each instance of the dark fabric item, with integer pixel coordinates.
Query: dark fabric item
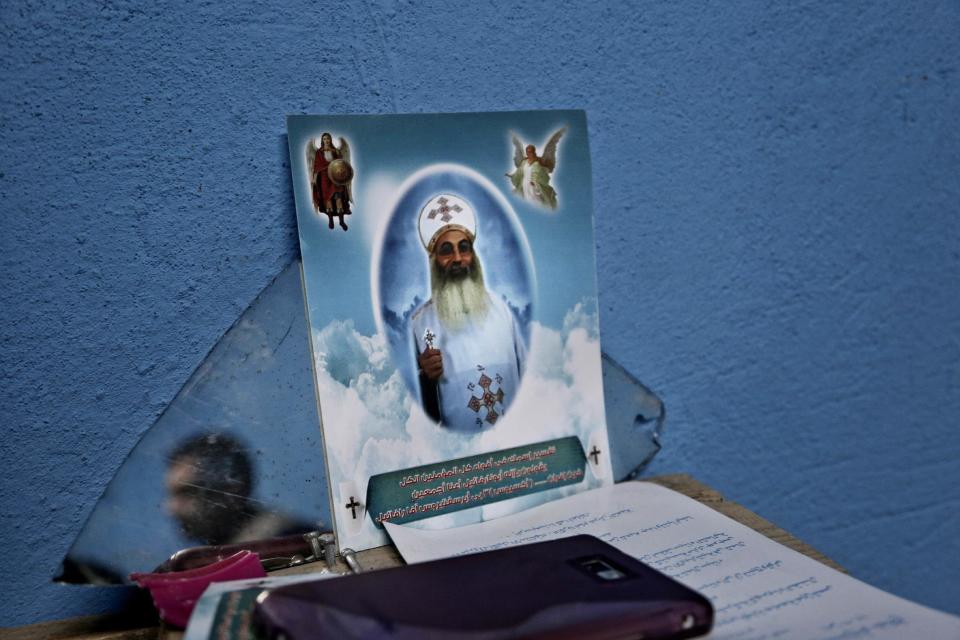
(532, 591)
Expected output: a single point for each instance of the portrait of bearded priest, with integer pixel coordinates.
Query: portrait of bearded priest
(470, 353)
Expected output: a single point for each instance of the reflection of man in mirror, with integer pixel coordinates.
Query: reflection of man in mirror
(470, 354)
(209, 481)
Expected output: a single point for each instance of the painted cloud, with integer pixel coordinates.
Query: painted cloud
(367, 408)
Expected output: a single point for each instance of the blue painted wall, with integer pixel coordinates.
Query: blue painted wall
(777, 194)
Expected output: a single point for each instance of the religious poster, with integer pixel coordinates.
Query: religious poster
(450, 283)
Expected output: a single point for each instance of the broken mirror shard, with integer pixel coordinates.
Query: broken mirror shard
(237, 455)
(635, 419)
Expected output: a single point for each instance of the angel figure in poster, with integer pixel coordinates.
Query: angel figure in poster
(331, 177)
(531, 178)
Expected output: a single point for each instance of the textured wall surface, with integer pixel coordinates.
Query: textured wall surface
(777, 194)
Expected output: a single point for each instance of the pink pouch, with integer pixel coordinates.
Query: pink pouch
(175, 593)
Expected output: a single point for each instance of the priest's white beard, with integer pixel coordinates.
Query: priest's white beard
(459, 301)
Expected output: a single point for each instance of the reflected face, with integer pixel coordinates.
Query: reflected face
(453, 254)
(205, 512)
(185, 497)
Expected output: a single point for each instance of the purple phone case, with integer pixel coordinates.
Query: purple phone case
(544, 590)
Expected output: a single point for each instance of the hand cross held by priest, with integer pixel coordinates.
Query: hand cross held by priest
(470, 354)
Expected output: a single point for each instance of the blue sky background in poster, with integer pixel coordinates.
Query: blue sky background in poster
(386, 150)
